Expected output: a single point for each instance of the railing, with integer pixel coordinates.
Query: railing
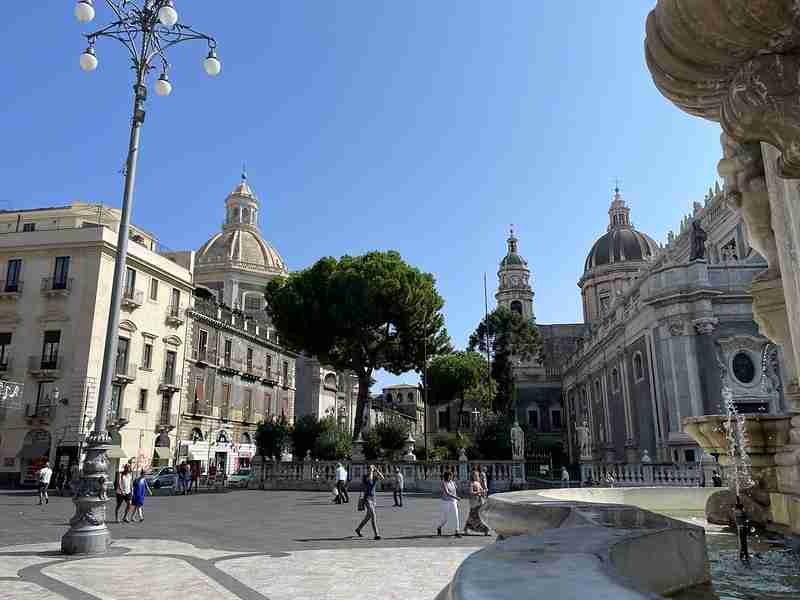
(229, 362)
(205, 355)
(132, 297)
(119, 418)
(38, 362)
(253, 369)
(168, 381)
(644, 474)
(10, 287)
(175, 313)
(272, 375)
(199, 408)
(125, 371)
(50, 284)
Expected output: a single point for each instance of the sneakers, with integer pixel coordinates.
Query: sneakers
(377, 537)
(125, 520)
(458, 534)
(358, 533)
(439, 531)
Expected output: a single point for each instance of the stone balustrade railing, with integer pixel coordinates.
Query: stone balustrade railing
(647, 474)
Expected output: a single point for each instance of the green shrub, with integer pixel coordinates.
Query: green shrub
(332, 445)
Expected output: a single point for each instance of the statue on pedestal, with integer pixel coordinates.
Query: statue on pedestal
(517, 442)
(698, 240)
(584, 441)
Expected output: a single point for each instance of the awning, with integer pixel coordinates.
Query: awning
(163, 453)
(116, 452)
(34, 451)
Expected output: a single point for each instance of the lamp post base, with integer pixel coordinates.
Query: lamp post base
(88, 533)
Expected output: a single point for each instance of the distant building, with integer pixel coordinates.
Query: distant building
(58, 265)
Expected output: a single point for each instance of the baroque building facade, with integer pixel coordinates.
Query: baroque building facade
(667, 329)
(58, 264)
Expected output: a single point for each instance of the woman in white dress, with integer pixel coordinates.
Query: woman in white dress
(449, 504)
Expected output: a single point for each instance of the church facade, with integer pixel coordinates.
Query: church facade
(667, 328)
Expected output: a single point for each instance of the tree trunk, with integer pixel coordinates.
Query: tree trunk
(362, 405)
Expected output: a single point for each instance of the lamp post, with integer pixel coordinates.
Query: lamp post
(147, 29)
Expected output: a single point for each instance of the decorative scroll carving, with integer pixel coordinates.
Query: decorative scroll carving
(676, 327)
(705, 325)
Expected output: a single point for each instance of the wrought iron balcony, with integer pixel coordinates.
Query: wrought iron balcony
(10, 290)
(175, 315)
(56, 286)
(253, 370)
(132, 298)
(230, 363)
(169, 383)
(207, 356)
(166, 422)
(272, 376)
(125, 373)
(45, 367)
(119, 418)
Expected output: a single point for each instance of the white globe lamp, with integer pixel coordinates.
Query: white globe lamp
(84, 11)
(211, 64)
(162, 86)
(167, 14)
(88, 60)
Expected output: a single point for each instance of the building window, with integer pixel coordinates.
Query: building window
(122, 355)
(269, 364)
(169, 367)
(116, 402)
(228, 351)
(5, 350)
(247, 405)
(61, 273)
(28, 227)
(743, 368)
(130, 282)
(285, 372)
(147, 356)
(153, 289)
(533, 418)
(175, 299)
(52, 340)
(143, 400)
(268, 403)
(443, 419)
(249, 359)
(555, 419)
(689, 456)
(638, 368)
(12, 275)
(516, 306)
(166, 408)
(252, 302)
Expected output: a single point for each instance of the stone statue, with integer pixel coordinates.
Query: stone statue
(462, 454)
(583, 440)
(517, 442)
(646, 457)
(698, 238)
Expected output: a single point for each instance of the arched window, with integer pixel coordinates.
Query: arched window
(330, 381)
(638, 368)
(615, 380)
(516, 306)
(196, 435)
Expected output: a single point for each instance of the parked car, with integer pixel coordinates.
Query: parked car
(163, 481)
(241, 478)
(152, 475)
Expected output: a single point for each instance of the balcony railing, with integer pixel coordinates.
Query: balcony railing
(56, 286)
(169, 383)
(125, 372)
(253, 370)
(205, 355)
(199, 408)
(132, 298)
(10, 289)
(230, 363)
(287, 381)
(175, 314)
(39, 365)
(166, 421)
(272, 376)
(119, 418)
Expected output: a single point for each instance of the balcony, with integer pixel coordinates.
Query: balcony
(252, 371)
(117, 420)
(132, 299)
(228, 363)
(125, 373)
(44, 367)
(168, 383)
(166, 422)
(205, 356)
(56, 287)
(272, 376)
(198, 408)
(175, 315)
(10, 290)
(41, 412)
(287, 381)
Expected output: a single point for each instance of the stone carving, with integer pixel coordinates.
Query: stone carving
(584, 441)
(517, 442)
(646, 457)
(733, 344)
(705, 325)
(742, 167)
(698, 237)
(676, 327)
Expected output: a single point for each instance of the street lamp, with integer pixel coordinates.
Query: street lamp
(147, 29)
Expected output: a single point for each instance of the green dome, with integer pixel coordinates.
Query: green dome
(512, 258)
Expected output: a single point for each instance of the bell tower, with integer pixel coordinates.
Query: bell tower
(514, 288)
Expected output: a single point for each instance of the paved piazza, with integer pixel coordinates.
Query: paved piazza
(244, 544)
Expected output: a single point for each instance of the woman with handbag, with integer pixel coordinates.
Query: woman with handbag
(367, 500)
(449, 504)
(477, 496)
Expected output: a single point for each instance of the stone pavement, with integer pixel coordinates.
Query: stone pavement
(247, 544)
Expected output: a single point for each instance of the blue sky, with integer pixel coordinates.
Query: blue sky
(424, 127)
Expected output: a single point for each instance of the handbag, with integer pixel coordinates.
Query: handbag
(362, 504)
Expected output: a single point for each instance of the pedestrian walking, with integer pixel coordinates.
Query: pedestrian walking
(44, 475)
(341, 484)
(564, 477)
(123, 487)
(370, 481)
(140, 489)
(477, 498)
(184, 477)
(398, 487)
(449, 504)
(194, 471)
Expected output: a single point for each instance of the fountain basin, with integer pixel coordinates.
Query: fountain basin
(555, 544)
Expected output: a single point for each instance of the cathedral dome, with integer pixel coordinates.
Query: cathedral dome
(621, 243)
(512, 257)
(240, 244)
